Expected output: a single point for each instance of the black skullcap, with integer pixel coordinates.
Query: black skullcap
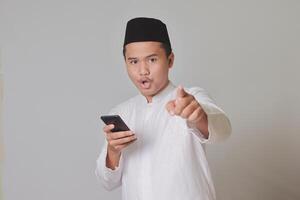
(146, 29)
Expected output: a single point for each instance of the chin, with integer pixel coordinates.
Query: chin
(147, 93)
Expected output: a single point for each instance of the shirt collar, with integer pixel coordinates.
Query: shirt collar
(163, 93)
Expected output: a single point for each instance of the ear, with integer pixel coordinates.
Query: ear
(171, 59)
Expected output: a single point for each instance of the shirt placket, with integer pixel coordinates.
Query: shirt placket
(144, 156)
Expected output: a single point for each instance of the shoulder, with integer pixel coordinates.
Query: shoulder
(125, 106)
(199, 93)
(195, 90)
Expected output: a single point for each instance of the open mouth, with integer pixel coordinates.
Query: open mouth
(145, 84)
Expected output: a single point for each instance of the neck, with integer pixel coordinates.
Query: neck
(149, 98)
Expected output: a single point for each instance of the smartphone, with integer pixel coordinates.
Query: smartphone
(117, 121)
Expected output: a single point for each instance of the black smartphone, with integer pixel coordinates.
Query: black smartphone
(117, 121)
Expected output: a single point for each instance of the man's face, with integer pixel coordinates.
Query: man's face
(148, 67)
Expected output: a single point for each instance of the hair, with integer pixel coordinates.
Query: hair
(167, 48)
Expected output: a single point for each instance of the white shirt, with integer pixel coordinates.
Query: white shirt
(167, 161)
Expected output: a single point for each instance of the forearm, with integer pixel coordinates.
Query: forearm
(216, 127)
(106, 171)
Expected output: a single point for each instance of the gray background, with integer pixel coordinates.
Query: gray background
(62, 68)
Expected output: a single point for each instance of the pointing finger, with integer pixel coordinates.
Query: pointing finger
(181, 92)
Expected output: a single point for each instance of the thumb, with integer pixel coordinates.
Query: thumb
(170, 106)
(181, 92)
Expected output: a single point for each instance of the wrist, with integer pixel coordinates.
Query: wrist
(112, 158)
(112, 152)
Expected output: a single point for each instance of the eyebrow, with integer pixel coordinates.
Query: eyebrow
(133, 58)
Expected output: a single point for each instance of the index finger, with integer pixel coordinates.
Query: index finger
(119, 134)
(181, 92)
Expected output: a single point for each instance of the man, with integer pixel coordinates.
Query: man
(162, 157)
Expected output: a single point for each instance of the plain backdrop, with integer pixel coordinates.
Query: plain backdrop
(63, 67)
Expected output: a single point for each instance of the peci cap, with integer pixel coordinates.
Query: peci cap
(146, 29)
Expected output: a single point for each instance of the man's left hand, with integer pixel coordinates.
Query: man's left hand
(186, 106)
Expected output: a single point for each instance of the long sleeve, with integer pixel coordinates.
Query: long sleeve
(219, 126)
(109, 178)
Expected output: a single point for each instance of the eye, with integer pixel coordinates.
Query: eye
(152, 60)
(133, 62)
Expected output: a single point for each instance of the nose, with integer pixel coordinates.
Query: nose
(144, 69)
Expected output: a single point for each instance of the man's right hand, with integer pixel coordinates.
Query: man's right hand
(117, 141)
